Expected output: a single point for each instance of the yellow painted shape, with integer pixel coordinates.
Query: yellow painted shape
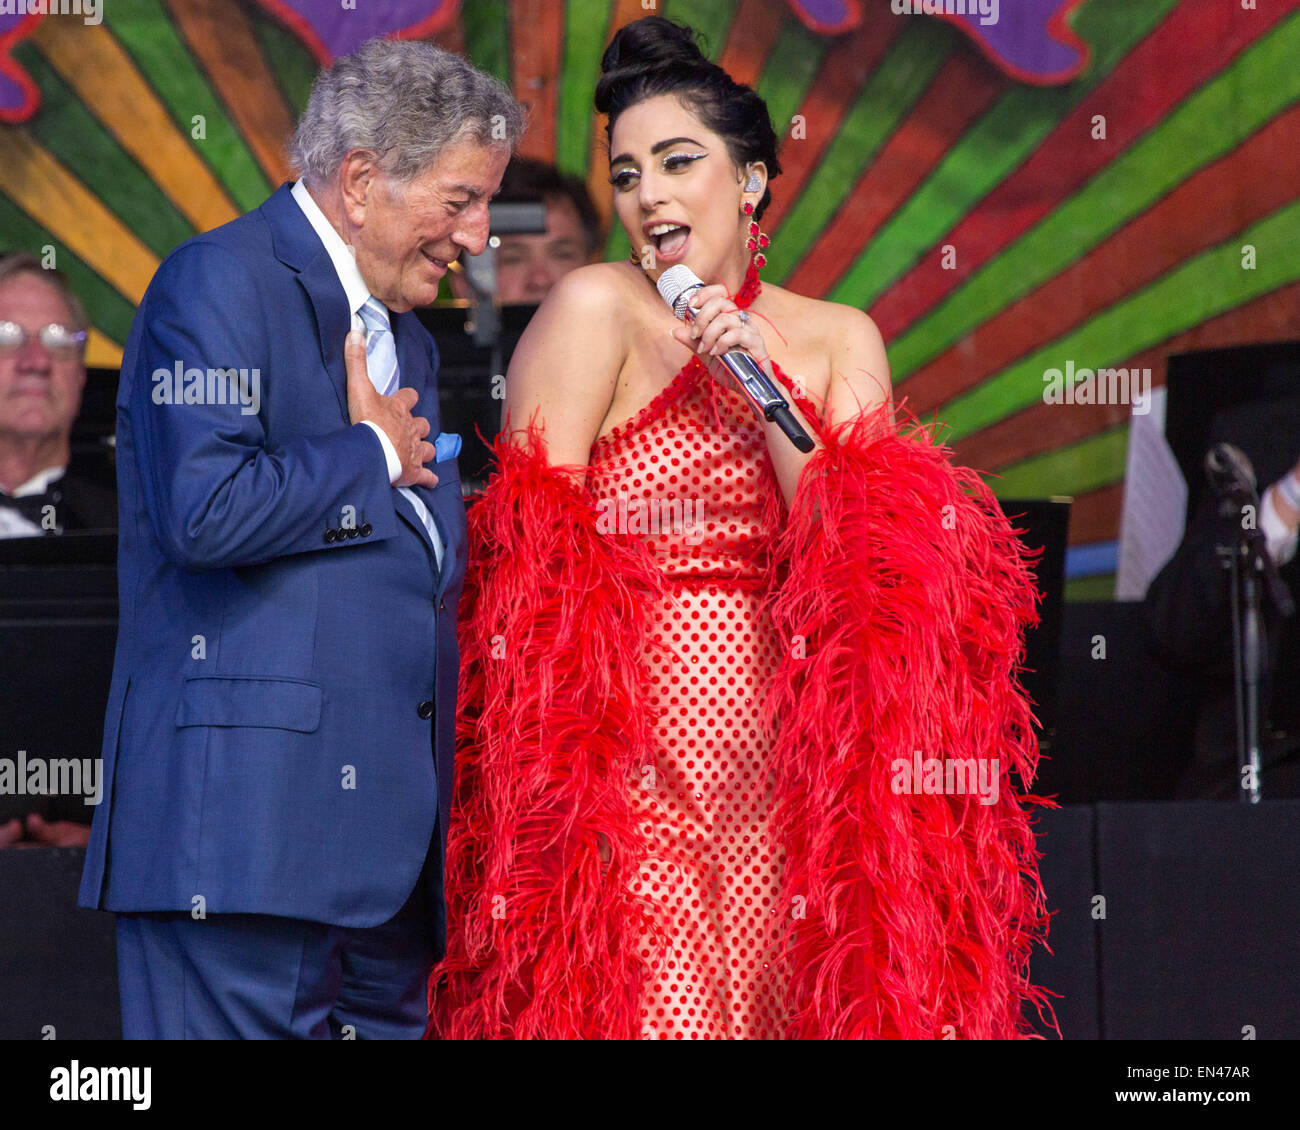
(102, 352)
(55, 199)
(96, 66)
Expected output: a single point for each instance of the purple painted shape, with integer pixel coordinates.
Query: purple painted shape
(13, 98)
(830, 17)
(1029, 39)
(1023, 39)
(331, 30)
(17, 100)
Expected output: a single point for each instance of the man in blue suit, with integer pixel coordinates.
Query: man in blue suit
(278, 745)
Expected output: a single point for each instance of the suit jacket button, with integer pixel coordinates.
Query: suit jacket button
(366, 529)
(353, 532)
(330, 535)
(425, 709)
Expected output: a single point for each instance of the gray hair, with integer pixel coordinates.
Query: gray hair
(405, 101)
(25, 263)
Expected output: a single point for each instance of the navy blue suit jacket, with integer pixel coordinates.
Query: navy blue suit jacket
(264, 750)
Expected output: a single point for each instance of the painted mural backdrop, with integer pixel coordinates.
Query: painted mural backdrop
(1095, 183)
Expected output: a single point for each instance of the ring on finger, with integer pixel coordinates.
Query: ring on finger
(743, 315)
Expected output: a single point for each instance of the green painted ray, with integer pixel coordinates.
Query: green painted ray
(1209, 124)
(992, 149)
(711, 21)
(292, 65)
(586, 23)
(1203, 287)
(109, 311)
(791, 67)
(145, 31)
(487, 36)
(1100, 587)
(617, 246)
(80, 142)
(1090, 464)
(887, 98)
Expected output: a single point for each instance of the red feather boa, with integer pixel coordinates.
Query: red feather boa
(903, 595)
(544, 934)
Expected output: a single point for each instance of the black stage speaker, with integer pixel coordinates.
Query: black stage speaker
(1044, 526)
(58, 631)
(58, 972)
(1124, 730)
(1069, 971)
(1202, 920)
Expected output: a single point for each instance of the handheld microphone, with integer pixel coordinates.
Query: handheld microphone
(677, 285)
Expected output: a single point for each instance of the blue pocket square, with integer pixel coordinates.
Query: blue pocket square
(446, 446)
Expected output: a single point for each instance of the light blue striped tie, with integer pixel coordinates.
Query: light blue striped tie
(381, 349)
(381, 364)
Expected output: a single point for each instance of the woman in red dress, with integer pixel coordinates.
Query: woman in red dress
(700, 669)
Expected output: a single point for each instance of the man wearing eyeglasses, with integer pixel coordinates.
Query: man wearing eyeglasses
(42, 374)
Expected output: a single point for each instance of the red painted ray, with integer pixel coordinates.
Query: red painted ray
(964, 88)
(845, 69)
(755, 28)
(1095, 515)
(537, 47)
(1038, 429)
(621, 12)
(1203, 211)
(1044, 427)
(451, 37)
(1190, 46)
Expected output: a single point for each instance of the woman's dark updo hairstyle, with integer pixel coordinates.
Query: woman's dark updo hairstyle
(653, 56)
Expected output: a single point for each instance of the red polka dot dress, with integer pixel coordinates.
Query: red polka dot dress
(690, 474)
(632, 852)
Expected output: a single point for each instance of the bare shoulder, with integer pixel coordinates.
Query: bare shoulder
(565, 367)
(860, 377)
(833, 326)
(844, 330)
(853, 329)
(854, 349)
(584, 297)
(600, 288)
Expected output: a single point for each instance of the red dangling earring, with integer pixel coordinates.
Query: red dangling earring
(758, 240)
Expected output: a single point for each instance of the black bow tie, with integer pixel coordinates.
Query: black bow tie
(32, 506)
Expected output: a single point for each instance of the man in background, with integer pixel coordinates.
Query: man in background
(529, 265)
(42, 374)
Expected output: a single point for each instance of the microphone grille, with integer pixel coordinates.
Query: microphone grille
(674, 283)
(1226, 457)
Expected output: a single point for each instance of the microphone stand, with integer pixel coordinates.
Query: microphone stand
(507, 218)
(1240, 558)
(485, 310)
